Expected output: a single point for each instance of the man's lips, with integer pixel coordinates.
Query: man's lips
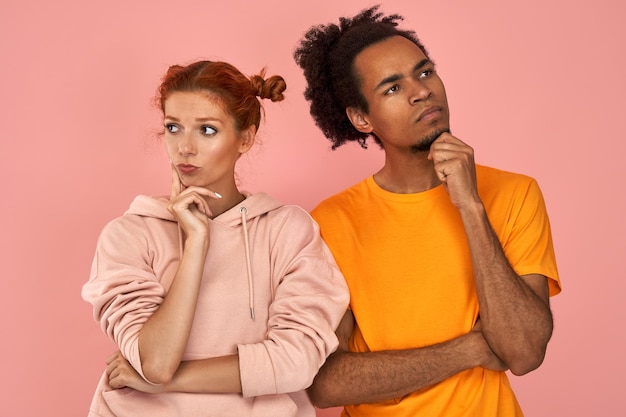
(430, 113)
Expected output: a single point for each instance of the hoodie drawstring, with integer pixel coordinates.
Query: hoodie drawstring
(180, 242)
(243, 210)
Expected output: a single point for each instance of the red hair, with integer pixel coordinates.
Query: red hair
(236, 92)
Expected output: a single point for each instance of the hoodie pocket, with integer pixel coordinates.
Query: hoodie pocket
(279, 405)
(127, 402)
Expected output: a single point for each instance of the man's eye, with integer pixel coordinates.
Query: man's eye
(208, 130)
(425, 73)
(392, 89)
(172, 128)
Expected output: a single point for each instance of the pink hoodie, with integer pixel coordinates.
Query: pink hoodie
(266, 261)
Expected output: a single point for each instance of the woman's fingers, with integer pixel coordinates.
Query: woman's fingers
(189, 199)
(177, 187)
(194, 196)
(114, 369)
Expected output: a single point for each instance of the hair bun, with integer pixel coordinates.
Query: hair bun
(271, 88)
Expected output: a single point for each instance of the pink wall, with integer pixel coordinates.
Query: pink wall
(534, 86)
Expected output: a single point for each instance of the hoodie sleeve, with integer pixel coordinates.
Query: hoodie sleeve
(123, 288)
(309, 302)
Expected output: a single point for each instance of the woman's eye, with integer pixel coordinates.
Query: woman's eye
(171, 128)
(208, 130)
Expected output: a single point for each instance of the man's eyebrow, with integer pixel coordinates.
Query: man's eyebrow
(395, 77)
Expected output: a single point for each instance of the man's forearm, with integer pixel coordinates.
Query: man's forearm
(514, 311)
(355, 378)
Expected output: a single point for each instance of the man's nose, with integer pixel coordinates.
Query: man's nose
(419, 91)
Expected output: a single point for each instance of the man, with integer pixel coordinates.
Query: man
(450, 264)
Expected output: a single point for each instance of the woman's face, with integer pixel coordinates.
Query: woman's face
(202, 141)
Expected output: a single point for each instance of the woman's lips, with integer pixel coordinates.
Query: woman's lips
(186, 168)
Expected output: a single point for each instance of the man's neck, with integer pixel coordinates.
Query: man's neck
(407, 173)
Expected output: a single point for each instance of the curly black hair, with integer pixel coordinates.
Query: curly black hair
(327, 53)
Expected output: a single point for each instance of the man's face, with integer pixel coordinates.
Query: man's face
(407, 101)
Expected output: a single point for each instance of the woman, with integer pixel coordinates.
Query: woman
(221, 302)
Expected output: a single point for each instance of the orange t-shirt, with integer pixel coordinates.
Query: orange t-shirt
(406, 260)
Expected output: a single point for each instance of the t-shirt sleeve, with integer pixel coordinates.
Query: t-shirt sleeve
(529, 246)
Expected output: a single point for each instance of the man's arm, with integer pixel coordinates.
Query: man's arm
(514, 311)
(355, 378)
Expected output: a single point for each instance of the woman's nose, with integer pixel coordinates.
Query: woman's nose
(186, 146)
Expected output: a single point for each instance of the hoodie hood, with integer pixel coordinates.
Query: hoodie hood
(254, 205)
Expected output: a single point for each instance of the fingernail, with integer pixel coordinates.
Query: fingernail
(218, 195)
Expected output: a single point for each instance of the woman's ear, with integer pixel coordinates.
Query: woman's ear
(359, 120)
(247, 139)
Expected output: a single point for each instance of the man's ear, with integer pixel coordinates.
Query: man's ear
(247, 139)
(359, 120)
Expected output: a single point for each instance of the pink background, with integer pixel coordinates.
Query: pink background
(534, 86)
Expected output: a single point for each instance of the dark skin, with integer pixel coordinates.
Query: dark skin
(408, 112)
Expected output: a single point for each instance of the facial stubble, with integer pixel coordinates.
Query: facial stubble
(423, 145)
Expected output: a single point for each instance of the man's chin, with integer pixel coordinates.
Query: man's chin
(423, 145)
